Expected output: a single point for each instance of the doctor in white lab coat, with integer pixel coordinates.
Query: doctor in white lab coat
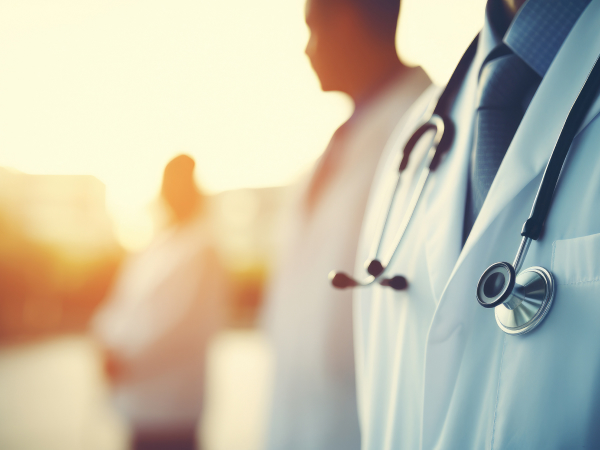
(156, 324)
(309, 323)
(433, 368)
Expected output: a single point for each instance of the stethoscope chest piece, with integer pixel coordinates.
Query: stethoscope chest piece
(530, 301)
(520, 302)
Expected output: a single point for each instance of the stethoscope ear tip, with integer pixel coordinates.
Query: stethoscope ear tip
(375, 268)
(340, 280)
(398, 283)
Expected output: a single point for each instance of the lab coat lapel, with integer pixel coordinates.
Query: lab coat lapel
(448, 193)
(446, 190)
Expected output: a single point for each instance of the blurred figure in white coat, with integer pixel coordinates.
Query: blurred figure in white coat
(352, 50)
(156, 324)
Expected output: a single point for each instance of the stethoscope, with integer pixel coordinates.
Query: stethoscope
(436, 118)
(521, 298)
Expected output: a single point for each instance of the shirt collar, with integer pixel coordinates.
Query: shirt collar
(540, 28)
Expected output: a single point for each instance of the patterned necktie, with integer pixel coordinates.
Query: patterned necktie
(506, 85)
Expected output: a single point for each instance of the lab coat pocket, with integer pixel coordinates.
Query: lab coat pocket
(550, 378)
(576, 261)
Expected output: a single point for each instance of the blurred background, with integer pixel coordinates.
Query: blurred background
(96, 97)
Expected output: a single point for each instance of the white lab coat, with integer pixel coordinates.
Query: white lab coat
(434, 370)
(166, 304)
(309, 322)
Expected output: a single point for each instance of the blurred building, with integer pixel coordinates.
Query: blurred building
(68, 211)
(58, 253)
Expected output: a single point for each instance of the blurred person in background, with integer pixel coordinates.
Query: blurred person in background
(155, 326)
(352, 50)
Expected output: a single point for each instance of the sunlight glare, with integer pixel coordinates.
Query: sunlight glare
(115, 89)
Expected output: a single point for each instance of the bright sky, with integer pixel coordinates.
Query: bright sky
(115, 88)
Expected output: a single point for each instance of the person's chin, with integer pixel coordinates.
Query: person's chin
(330, 84)
(327, 87)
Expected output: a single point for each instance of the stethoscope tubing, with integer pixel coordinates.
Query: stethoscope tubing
(437, 118)
(436, 123)
(419, 187)
(541, 206)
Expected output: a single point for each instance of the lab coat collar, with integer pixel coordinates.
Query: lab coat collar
(449, 186)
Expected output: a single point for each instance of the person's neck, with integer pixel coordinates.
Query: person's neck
(379, 74)
(501, 13)
(511, 8)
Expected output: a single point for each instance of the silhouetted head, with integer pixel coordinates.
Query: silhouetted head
(351, 41)
(179, 189)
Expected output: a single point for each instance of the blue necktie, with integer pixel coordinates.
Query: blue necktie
(506, 85)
